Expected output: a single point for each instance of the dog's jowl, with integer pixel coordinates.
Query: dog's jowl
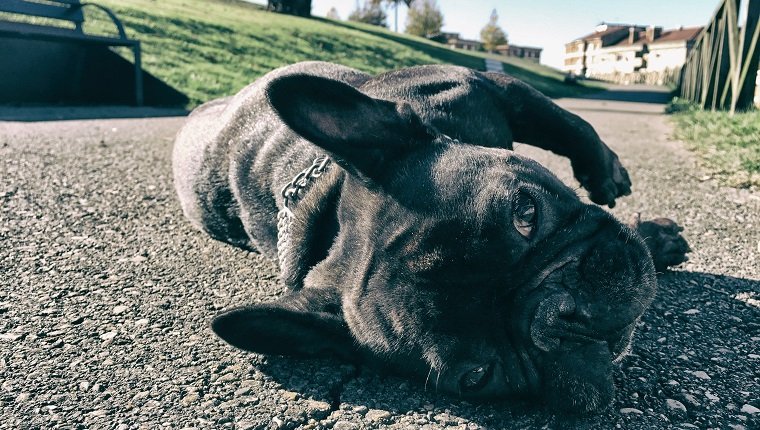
(411, 237)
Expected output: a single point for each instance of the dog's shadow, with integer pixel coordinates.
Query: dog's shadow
(351, 391)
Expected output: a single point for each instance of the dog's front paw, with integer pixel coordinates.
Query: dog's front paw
(664, 240)
(606, 181)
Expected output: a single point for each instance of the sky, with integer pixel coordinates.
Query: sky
(548, 24)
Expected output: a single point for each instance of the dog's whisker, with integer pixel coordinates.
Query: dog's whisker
(428, 377)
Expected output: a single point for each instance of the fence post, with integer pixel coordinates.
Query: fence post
(751, 56)
(720, 68)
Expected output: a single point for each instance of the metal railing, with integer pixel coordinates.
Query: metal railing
(719, 73)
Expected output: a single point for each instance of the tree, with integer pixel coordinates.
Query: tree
(370, 12)
(333, 14)
(395, 3)
(492, 35)
(424, 18)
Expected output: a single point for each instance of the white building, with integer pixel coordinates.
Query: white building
(628, 53)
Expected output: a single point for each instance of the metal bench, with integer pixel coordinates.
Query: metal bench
(71, 11)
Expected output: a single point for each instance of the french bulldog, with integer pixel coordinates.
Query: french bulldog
(411, 237)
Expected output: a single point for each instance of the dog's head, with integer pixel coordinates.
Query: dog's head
(473, 268)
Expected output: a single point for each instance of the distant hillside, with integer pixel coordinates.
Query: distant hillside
(209, 49)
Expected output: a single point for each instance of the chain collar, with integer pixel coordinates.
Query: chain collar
(290, 193)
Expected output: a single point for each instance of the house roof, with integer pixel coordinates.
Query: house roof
(611, 28)
(678, 34)
(642, 38)
(667, 36)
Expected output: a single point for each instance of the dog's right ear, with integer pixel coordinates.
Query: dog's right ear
(306, 323)
(359, 132)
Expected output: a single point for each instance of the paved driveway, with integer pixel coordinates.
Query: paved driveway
(106, 294)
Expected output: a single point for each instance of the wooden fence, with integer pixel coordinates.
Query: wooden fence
(720, 69)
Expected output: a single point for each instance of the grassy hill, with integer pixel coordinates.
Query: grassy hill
(212, 48)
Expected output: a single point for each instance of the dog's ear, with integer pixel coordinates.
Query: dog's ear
(360, 133)
(305, 323)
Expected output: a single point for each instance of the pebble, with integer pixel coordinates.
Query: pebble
(344, 425)
(228, 404)
(242, 391)
(691, 400)
(630, 411)
(108, 335)
(119, 309)
(691, 312)
(318, 406)
(12, 337)
(377, 415)
(749, 409)
(141, 395)
(712, 397)
(190, 398)
(290, 395)
(245, 425)
(701, 374)
(675, 406)
(445, 419)
(361, 409)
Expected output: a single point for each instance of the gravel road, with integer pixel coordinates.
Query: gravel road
(106, 294)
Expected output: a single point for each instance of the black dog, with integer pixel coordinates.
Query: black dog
(460, 262)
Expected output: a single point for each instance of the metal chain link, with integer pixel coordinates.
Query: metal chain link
(290, 194)
(291, 190)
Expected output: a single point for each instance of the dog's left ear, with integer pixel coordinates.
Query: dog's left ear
(361, 133)
(305, 323)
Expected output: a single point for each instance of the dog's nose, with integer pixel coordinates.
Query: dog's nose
(546, 329)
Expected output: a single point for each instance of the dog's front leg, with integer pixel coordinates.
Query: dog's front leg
(535, 120)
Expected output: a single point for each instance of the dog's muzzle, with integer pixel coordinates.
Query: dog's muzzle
(592, 292)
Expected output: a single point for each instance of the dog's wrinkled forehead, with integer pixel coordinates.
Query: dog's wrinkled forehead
(474, 178)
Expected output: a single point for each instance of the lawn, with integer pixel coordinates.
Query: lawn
(728, 145)
(213, 48)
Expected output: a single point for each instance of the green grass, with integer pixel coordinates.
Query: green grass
(728, 145)
(213, 48)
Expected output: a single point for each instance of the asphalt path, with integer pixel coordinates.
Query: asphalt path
(106, 294)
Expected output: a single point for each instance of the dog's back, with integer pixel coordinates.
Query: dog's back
(238, 136)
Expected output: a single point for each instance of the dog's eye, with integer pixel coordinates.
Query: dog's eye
(475, 379)
(524, 215)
